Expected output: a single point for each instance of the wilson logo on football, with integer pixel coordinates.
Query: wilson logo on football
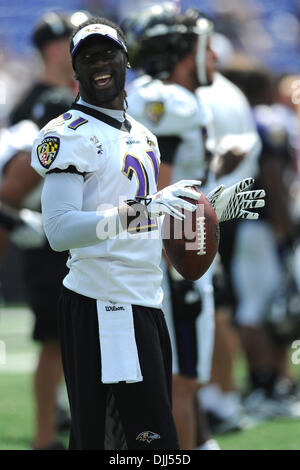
(47, 151)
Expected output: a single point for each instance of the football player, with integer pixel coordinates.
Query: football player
(101, 168)
(268, 319)
(43, 270)
(50, 37)
(175, 55)
(235, 130)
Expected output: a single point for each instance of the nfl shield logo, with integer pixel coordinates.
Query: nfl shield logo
(47, 151)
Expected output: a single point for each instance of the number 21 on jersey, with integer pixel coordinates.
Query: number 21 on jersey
(133, 166)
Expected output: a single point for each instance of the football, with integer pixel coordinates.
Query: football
(192, 244)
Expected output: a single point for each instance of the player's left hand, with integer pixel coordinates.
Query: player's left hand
(233, 202)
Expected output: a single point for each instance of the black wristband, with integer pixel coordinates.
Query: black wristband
(139, 208)
(9, 217)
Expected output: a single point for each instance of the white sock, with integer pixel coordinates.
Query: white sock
(224, 404)
(230, 404)
(211, 444)
(210, 396)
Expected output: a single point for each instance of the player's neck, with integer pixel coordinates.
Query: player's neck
(182, 77)
(114, 113)
(184, 83)
(56, 77)
(116, 103)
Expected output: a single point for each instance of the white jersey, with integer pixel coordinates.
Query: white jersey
(172, 110)
(234, 125)
(14, 139)
(118, 161)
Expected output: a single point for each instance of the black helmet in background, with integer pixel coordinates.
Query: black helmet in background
(158, 36)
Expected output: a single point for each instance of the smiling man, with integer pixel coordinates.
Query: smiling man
(100, 65)
(101, 169)
(115, 344)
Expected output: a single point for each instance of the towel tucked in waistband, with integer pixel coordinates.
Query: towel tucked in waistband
(119, 355)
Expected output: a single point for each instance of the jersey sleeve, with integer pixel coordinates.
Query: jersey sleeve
(61, 148)
(164, 109)
(14, 139)
(273, 134)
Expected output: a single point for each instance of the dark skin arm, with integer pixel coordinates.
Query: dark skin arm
(277, 197)
(227, 162)
(165, 175)
(19, 180)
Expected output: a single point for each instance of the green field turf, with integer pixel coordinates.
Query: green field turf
(17, 406)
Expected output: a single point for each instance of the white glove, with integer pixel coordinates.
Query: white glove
(231, 203)
(30, 233)
(165, 201)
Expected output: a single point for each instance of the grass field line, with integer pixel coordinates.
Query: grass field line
(15, 321)
(18, 353)
(19, 363)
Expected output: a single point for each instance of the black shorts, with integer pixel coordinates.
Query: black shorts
(225, 295)
(184, 314)
(44, 270)
(112, 416)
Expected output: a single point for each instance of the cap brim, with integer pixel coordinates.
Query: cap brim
(96, 30)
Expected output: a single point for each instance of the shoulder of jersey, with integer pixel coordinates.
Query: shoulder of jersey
(72, 122)
(270, 126)
(163, 108)
(19, 136)
(67, 141)
(24, 131)
(16, 138)
(141, 129)
(223, 87)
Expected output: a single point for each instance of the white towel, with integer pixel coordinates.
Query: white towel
(119, 355)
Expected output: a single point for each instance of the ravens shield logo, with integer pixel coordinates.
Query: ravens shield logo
(47, 151)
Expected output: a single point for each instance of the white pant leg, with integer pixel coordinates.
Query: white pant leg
(205, 324)
(167, 310)
(256, 270)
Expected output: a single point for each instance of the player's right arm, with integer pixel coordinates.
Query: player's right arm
(22, 226)
(67, 226)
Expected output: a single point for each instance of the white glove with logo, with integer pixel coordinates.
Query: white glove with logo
(165, 201)
(231, 203)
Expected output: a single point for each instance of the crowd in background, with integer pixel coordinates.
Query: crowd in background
(266, 31)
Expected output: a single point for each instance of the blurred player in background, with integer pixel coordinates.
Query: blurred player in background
(267, 321)
(182, 127)
(43, 269)
(51, 38)
(175, 55)
(235, 130)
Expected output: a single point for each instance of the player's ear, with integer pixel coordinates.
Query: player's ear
(128, 66)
